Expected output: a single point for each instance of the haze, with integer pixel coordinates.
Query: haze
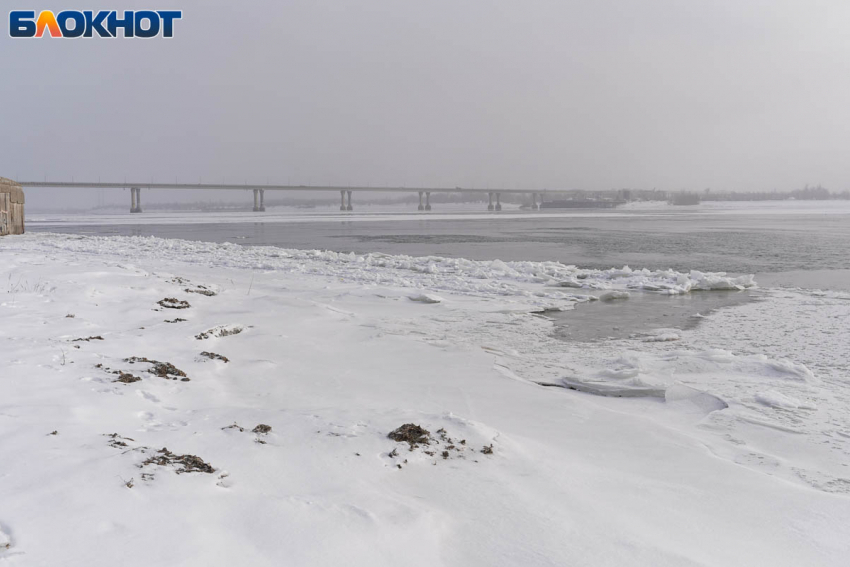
(743, 95)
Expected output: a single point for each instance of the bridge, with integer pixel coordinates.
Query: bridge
(494, 195)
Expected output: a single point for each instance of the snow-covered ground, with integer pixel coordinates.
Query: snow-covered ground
(723, 445)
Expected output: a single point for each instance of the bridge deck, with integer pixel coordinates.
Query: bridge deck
(249, 187)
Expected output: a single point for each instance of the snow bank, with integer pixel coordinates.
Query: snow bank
(776, 399)
(700, 400)
(672, 282)
(534, 283)
(636, 373)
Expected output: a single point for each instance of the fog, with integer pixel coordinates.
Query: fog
(728, 95)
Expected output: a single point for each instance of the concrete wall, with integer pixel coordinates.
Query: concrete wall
(11, 207)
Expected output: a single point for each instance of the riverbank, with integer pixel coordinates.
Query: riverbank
(730, 453)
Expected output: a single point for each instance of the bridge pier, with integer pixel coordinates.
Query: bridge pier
(256, 200)
(490, 203)
(342, 200)
(349, 207)
(135, 199)
(498, 203)
(262, 207)
(535, 206)
(427, 200)
(421, 206)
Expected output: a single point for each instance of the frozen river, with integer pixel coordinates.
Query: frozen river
(785, 244)
(803, 244)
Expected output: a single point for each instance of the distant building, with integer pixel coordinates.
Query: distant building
(11, 207)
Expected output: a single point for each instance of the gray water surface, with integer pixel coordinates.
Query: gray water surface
(643, 313)
(796, 244)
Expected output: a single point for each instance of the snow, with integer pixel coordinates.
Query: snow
(695, 468)
(776, 399)
(459, 275)
(663, 337)
(5, 541)
(675, 283)
(639, 370)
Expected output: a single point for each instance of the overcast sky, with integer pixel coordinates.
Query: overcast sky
(727, 94)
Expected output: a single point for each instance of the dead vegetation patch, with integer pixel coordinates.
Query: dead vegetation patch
(162, 369)
(197, 288)
(260, 430)
(161, 457)
(214, 356)
(117, 441)
(126, 377)
(123, 377)
(411, 434)
(440, 444)
(201, 290)
(87, 339)
(183, 463)
(177, 320)
(173, 303)
(220, 331)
